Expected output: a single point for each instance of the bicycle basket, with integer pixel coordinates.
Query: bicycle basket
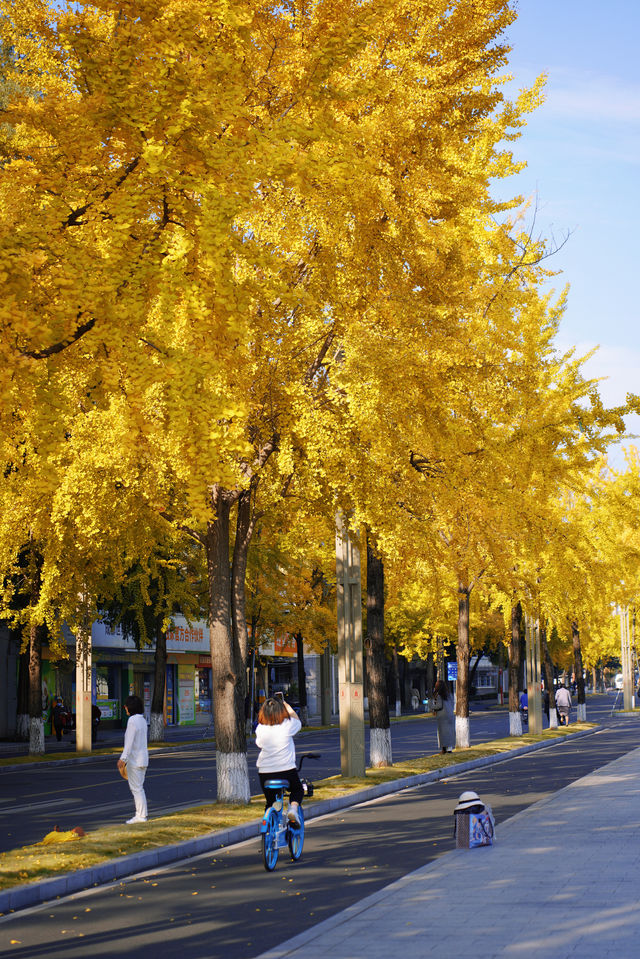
(307, 787)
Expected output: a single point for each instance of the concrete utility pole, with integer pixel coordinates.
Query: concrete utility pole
(83, 690)
(625, 656)
(534, 690)
(350, 666)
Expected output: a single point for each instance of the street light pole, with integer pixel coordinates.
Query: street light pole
(625, 655)
(350, 664)
(534, 691)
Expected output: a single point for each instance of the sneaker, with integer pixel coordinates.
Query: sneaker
(136, 819)
(293, 817)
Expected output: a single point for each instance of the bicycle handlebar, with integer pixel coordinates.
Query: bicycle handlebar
(303, 756)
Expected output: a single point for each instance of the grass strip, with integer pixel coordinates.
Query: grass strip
(36, 862)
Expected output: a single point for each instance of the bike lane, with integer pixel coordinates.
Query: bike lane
(225, 904)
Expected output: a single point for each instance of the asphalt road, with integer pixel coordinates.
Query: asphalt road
(224, 904)
(90, 794)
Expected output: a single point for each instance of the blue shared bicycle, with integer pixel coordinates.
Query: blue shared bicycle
(276, 832)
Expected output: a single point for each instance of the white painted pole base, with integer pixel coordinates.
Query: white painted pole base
(156, 728)
(462, 732)
(233, 778)
(582, 712)
(36, 736)
(553, 717)
(22, 727)
(515, 724)
(398, 708)
(380, 748)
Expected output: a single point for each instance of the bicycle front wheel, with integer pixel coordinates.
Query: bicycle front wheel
(295, 837)
(270, 840)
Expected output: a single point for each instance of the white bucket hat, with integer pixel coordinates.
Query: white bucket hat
(468, 799)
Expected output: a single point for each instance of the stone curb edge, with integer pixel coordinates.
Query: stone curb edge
(32, 894)
(96, 757)
(331, 923)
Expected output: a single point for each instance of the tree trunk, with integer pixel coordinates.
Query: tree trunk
(515, 652)
(396, 679)
(379, 723)
(462, 683)
(431, 675)
(156, 727)
(244, 532)
(474, 669)
(36, 723)
(227, 662)
(579, 672)
(22, 718)
(548, 678)
(302, 679)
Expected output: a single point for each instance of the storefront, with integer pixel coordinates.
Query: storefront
(188, 699)
(120, 670)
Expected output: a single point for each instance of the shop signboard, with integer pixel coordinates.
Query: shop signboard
(183, 637)
(283, 644)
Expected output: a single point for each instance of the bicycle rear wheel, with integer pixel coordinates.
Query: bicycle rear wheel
(269, 840)
(295, 837)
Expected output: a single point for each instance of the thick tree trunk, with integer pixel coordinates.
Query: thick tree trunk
(227, 662)
(548, 677)
(579, 672)
(515, 650)
(22, 718)
(156, 727)
(396, 679)
(462, 683)
(379, 723)
(302, 679)
(36, 723)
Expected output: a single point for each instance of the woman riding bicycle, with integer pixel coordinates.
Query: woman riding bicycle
(277, 725)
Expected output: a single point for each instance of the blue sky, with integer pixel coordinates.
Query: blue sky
(582, 147)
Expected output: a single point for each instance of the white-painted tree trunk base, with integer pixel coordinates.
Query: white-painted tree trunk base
(515, 724)
(462, 732)
(36, 736)
(232, 777)
(553, 717)
(22, 727)
(380, 747)
(398, 708)
(582, 712)
(156, 728)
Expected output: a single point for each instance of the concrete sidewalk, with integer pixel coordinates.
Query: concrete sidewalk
(561, 880)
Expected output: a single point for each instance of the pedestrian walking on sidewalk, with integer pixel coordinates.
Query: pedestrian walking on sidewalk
(563, 704)
(134, 757)
(58, 718)
(442, 707)
(278, 723)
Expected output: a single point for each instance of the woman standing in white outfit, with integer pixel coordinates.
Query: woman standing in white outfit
(135, 755)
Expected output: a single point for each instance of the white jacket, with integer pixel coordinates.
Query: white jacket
(277, 752)
(135, 741)
(563, 698)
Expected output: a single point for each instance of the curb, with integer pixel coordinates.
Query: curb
(32, 894)
(96, 757)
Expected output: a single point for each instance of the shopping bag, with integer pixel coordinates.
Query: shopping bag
(473, 829)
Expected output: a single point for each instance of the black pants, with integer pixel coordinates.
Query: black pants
(295, 786)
